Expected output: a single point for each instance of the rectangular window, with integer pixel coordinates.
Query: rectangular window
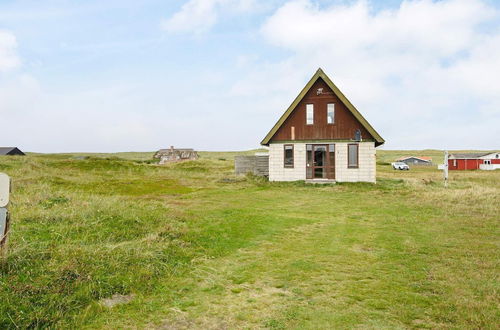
(352, 155)
(454, 163)
(309, 114)
(330, 113)
(288, 155)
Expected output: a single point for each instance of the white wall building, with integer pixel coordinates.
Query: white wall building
(322, 138)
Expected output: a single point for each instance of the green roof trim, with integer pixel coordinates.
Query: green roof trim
(321, 74)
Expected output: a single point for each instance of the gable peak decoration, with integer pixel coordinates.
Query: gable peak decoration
(321, 74)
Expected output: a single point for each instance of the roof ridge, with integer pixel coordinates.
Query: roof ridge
(419, 157)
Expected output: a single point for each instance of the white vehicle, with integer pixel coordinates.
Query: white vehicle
(400, 166)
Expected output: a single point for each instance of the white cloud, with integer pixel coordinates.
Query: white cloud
(8, 56)
(198, 16)
(416, 71)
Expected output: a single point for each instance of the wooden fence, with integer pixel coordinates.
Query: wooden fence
(257, 164)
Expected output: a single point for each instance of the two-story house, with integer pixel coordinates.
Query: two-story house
(322, 137)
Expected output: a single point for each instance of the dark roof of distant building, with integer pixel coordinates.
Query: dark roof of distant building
(8, 150)
(427, 159)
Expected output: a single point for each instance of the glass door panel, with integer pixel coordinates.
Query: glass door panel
(320, 161)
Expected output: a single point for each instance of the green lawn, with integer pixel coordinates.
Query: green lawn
(194, 246)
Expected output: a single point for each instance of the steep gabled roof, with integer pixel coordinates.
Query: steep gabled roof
(320, 74)
(8, 150)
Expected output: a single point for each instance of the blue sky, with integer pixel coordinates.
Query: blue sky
(216, 74)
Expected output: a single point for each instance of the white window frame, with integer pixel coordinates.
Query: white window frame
(330, 107)
(310, 114)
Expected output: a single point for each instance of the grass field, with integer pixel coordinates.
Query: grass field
(191, 245)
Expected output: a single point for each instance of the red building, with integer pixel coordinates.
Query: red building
(474, 161)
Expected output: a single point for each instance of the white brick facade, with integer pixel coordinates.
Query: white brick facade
(366, 170)
(277, 172)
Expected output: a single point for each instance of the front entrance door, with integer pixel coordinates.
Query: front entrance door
(320, 161)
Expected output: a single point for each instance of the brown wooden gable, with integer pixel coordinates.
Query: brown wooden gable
(292, 125)
(343, 128)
